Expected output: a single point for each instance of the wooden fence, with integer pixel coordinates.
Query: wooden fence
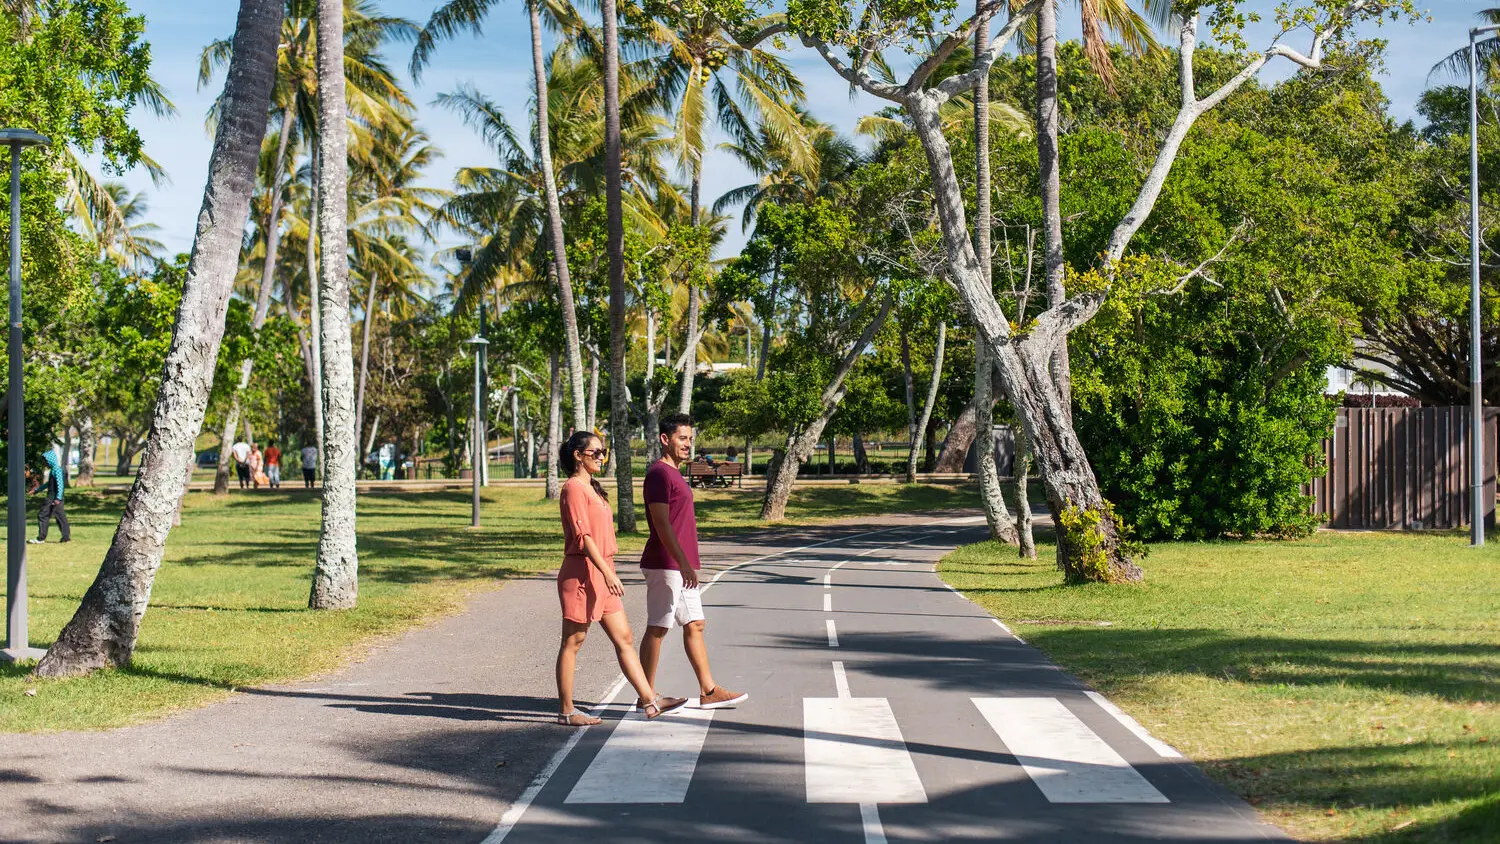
(1403, 468)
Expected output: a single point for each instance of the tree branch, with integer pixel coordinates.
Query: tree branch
(983, 62)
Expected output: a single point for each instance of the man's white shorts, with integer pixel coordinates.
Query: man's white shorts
(668, 601)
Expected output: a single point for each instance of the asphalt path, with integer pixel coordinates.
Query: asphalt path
(884, 707)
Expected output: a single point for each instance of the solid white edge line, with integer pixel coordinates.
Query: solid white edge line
(513, 815)
(833, 635)
(869, 817)
(841, 679)
(1002, 626)
(1134, 726)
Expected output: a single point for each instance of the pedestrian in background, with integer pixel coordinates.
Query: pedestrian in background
(257, 464)
(309, 465)
(52, 505)
(241, 453)
(273, 465)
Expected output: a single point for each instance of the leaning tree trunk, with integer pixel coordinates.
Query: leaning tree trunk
(781, 474)
(336, 578)
(554, 427)
(1025, 542)
(920, 432)
(364, 359)
(619, 405)
(554, 220)
(104, 630)
(88, 441)
(1089, 540)
(990, 495)
(955, 448)
(1050, 175)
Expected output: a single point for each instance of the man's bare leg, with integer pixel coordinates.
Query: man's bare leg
(697, 654)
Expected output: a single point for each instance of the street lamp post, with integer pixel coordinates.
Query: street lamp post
(1476, 398)
(479, 344)
(17, 648)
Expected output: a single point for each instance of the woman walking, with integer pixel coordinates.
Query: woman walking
(257, 466)
(587, 585)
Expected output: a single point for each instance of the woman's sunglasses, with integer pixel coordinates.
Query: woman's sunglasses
(596, 453)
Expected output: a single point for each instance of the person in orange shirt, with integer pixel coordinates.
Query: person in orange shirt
(587, 586)
(273, 464)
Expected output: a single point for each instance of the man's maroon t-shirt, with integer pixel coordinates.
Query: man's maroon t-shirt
(665, 485)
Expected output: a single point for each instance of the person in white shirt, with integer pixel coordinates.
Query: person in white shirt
(241, 452)
(309, 465)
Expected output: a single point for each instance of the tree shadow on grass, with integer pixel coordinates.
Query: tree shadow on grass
(1459, 672)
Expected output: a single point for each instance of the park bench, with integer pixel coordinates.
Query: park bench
(715, 474)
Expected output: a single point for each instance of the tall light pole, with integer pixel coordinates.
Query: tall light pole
(1476, 397)
(479, 343)
(17, 648)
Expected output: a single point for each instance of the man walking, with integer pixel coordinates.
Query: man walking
(52, 506)
(241, 453)
(670, 564)
(273, 464)
(309, 465)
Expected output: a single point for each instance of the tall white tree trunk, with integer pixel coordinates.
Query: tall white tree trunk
(1025, 542)
(554, 427)
(364, 360)
(554, 220)
(315, 309)
(591, 419)
(104, 630)
(1049, 169)
(990, 495)
(336, 578)
(695, 303)
(781, 474)
(88, 442)
(920, 433)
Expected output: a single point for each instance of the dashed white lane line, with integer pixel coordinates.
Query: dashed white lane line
(828, 580)
(833, 635)
(827, 602)
(1134, 726)
(841, 679)
(1066, 760)
(854, 753)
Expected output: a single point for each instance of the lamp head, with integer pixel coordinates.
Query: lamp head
(23, 138)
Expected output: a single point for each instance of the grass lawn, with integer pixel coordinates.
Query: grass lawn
(229, 605)
(1348, 685)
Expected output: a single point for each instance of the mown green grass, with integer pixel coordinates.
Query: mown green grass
(1348, 684)
(229, 604)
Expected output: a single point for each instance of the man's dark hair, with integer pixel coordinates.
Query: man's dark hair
(670, 423)
(271, 443)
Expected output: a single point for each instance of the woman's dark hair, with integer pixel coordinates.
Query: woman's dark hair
(569, 460)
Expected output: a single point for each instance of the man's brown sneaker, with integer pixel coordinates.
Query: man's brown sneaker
(721, 697)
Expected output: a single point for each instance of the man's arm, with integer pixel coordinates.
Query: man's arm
(660, 514)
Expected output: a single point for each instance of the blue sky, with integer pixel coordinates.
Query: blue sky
(498, 64)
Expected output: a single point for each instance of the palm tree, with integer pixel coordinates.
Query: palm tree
(746, 86)
(116, 225)
(461, 15)
(104, 630)
(336, 578)
(774, 159)
(1456, 63)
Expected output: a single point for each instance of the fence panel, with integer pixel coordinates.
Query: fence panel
(1400, 468)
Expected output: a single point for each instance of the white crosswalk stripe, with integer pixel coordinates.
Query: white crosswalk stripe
(854, 753)
(646, 761)
(1069, 762)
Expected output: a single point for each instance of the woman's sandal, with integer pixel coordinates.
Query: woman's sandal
(662, 705)
(577, 719)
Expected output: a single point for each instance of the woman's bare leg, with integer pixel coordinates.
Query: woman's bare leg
(573, 635)
(617, 628)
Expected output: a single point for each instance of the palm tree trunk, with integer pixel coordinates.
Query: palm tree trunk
(364, 359)
(911, 388)
(685, 398)
(1049, 167)
(315, 308)
(554, 219)
(932, 390)
(336, 577)
(104, 630)
(554, 427)
(619, 408)
(592, 418)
